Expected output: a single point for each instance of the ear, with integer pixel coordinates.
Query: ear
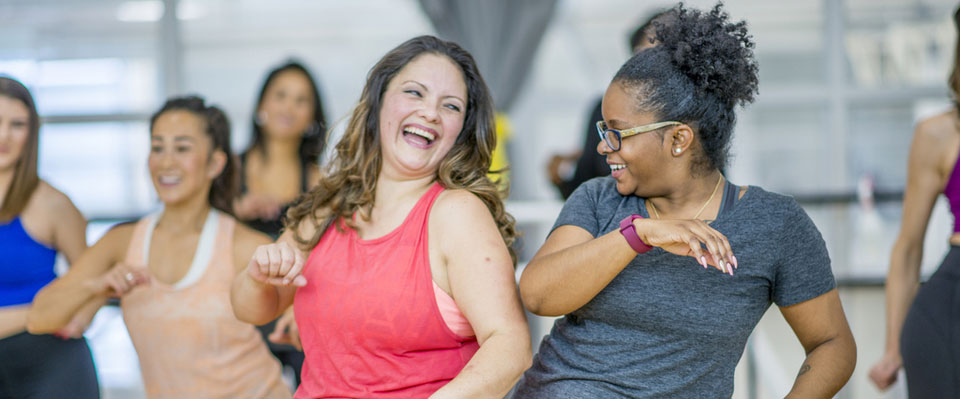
(679, 140)
(218, 161)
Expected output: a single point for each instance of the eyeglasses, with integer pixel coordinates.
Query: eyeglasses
(613, 136)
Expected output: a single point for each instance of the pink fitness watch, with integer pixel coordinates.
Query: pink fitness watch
(629, 231)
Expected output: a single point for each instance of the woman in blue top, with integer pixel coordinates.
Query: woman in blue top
(628, 261)
(36, 221)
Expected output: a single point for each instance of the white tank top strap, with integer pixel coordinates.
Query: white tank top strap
(201, 258)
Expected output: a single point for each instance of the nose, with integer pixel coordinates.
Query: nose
(429, 111)
(603, 148)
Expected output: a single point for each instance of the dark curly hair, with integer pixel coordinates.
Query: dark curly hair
(702, 68)
(226, 186)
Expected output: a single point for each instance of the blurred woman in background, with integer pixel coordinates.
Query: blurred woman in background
(172, 270)
(282, 161)
(923, 321)
(36, 222)
(398, 262)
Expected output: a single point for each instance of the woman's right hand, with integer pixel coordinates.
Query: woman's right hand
(884, 373)
(687, 238)
(254, 206)
(277, 264)
(121, 279)
(286, 331)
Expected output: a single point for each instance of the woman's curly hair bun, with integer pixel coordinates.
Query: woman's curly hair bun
(714, 53)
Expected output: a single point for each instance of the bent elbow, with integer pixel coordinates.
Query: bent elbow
(37, 326)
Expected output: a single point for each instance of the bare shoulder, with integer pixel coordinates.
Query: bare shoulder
(244, 236)
(118, 237)
(245, 242)
(459, 205)
(51, 201)
(940, 129)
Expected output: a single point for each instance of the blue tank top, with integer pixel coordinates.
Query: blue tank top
(26, 265)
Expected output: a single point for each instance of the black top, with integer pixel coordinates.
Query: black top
(591, 164)
(270, 227)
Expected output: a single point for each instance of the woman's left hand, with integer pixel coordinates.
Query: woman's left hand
(687, 238)
(286, 331)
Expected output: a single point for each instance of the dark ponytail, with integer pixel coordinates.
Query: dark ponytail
(225, 186)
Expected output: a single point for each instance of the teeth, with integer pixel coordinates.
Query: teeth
(617, 166)
(420, 132)
(169, 179)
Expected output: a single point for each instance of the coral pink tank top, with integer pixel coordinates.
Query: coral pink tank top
(368, 316)
(189, 343)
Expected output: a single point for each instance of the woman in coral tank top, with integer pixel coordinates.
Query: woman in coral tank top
(172, 270)
(398, 262)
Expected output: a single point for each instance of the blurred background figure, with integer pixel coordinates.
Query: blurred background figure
(36, 223)
(283, 158)
(922, 320)
(172, 270)
(568, 171)
(281, 162)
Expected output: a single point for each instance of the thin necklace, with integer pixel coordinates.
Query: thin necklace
(657, 214)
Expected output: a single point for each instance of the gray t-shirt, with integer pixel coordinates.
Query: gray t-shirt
(665, 327)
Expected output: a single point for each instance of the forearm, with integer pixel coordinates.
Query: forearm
(254, 302)
(54, 306)
(564, 281)
(493, 370)
(826, 369)
(903, 280)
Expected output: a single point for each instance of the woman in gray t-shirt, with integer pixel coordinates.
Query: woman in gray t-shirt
(664, 268)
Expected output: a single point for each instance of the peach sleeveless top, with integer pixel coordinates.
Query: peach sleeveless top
(189, 343)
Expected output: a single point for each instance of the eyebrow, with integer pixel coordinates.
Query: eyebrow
(177, 138)
(616, 122)
(427, 89)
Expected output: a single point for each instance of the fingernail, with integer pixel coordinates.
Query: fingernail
(722, 265)
(703, 261)
(734, 258)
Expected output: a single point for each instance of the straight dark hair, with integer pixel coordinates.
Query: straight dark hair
(225, 186)
(25, 179)
(314, 139)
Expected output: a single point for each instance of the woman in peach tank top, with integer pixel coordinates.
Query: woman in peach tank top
(172, 270)
(398, 262)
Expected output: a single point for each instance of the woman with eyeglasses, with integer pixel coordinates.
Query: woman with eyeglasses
(662, 270)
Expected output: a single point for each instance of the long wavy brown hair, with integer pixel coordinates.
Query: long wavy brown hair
(25, 178)
(348, 183)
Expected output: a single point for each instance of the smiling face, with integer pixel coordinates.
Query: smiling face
(423, 111)
(14, 131)
(181, 164)
(640, 155)
(288, 105)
